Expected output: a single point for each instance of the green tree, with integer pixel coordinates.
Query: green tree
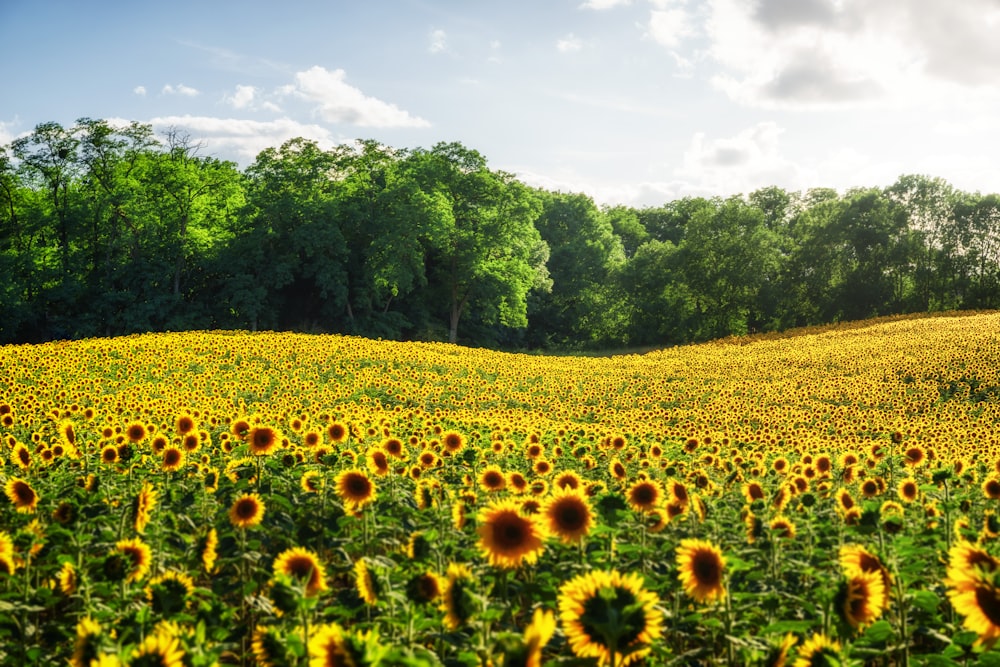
(288, 260)
(729, 258)
(578, 311)
(489, 256)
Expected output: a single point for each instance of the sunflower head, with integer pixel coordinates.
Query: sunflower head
(701, 568)
(861, 599)
(818, 651)
(304, 568)
(247, 511)
(609, 616)
(507, 537)
(457, 600)
(567, 514)
(424, 588)
(170, 593)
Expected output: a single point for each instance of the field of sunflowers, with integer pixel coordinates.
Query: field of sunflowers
(828, 496)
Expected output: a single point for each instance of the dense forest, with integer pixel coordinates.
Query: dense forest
(108, 230)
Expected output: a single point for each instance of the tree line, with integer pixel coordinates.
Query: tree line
(108, 230)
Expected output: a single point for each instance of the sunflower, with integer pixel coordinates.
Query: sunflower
(528, 651)
(700, 567)
(778, 655)
(453, 441)
(645, 495)
(424, 588)
(492, 479)
(303, 566)
(355, 489)
(991, 488)
(328, 647)
(337, 432)
(517, 483)
(908, 491)
(172, 458)
(567, 515)
(968, 564)
(269, 648)
(159, 649)
(854, 559)
(753, 491)
(137, 557)
(21, 456)
(609, 616)
(136, 432)
(782, 527)
(109, 454)
(311, 481)
(845, 501)
(67, 578)
(861, 598)
(21, 495)
(170, 592)
(991, 525)
(366, 582)
(678, 493)
(457, 601)
(818, 651)
(978, 601)
(142, 507)
(86, 645)
(377, 462)
(208, 550)
(617, 470)
(184, 424)
(247, 511)
(263, 440)
(567, 480)
(914, 456)
(508, 538)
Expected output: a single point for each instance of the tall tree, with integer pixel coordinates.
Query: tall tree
(584, 253)
(490, 255)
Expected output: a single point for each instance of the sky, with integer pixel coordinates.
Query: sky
(635, 102)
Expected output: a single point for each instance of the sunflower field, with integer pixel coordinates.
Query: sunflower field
(827, 496)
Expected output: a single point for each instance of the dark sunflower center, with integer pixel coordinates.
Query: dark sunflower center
(644, 495)
(706, 569)
(570, 516)
(172, 457)
(300, 567)
(246, 509)
(358, 486)
(613, 615)
(989, 602)
(493, 479)
(510, 532)
(24, 493)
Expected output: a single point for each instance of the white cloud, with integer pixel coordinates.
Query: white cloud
(604, 4)
(569, 43)
(339, 102)
(239, 139)
(749, 160)
(242, 98)
(439, 41)
(838, 53)
(179, 89)
(6, 133)
(140, 91)
(670, 26)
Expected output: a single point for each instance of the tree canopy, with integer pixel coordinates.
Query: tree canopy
(109, 230)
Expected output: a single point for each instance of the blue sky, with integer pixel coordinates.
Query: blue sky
(637, 102)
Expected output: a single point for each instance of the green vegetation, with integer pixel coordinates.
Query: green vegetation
(108, 231)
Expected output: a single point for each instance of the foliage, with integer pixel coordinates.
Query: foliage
(108, 229)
